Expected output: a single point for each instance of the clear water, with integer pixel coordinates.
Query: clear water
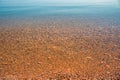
(19, 9)
(24, 8)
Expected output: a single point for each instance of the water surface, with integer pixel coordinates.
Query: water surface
(15, 10)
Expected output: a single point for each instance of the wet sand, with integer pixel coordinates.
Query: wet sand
(59, 50)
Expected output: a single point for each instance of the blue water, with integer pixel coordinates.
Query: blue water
(24, 9)
(9, 10)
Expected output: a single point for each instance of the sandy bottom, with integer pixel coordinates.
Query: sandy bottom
(59, 53)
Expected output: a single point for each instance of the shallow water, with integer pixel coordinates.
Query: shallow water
(16, 10)
(56, 42)
(24, 8)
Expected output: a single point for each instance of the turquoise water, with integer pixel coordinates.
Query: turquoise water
(23, 9)
(17, 10)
